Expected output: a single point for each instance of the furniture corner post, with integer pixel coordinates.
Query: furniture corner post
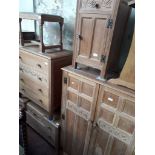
(42, 47)
(20, 33)
(61, 43)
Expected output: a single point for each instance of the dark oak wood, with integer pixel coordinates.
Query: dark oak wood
(97, 118)
(100, 26)
(40, 76)
(41, 18)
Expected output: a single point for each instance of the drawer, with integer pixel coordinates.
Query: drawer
(37, 62)
(29, 72)
(34, 85)
(48, 129)
(110, 99)
(34, 96)
(97, 5)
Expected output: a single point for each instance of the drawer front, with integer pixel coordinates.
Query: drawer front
(97, 5)
(35, 96)
(49, 132)
(34, 85)
(31, 73)
(39, 63)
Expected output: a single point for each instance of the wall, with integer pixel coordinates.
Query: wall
(64, 8)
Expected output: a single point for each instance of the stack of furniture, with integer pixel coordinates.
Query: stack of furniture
(97, 117)
(41, 77)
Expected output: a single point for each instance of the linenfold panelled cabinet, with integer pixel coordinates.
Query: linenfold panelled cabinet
(99, 29)
(97, 117)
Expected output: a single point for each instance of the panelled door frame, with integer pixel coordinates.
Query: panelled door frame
(88, 60)
(92, 110)
(131, 140)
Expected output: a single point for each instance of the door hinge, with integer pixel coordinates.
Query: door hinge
(65, 80)
(103, 58)
(110, 23)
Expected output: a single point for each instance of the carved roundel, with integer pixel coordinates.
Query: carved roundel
(107, 3)
(91, 3)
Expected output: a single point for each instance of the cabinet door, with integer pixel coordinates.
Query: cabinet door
(113, 131)
(79, 103)
(91, 37)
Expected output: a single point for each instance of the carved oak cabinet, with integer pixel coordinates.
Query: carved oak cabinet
(40, 75)
(100, 26)
(97, 117)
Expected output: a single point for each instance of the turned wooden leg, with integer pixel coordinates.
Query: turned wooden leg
(42, 47)
(20, 33)
(61, 43)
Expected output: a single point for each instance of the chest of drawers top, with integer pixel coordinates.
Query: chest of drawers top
(50, 54)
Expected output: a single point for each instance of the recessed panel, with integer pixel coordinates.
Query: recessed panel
(87, 89)
(73, 83)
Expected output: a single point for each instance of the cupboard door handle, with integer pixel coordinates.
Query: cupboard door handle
(97, 5)
(63, 116)
(95, 125)
(39, 65)
(79, 37)
(39, 78)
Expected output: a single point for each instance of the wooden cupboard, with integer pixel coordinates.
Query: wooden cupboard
(99, 29)
(97, 117)
(40, 76)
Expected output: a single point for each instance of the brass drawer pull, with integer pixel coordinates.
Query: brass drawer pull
(40, 101)
(21, 69)
(39, 65)
(23, 90)
(22, 80)
(20, 58)
(40, 90)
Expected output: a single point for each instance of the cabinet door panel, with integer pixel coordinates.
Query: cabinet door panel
(80, 103)
(91, 40)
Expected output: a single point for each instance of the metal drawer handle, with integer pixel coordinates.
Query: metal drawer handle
(23, 90)
(40, 101)
(22, 80)
(20, 58)
(39, 65)
(21, 69)
(40, 90)
(97, 6)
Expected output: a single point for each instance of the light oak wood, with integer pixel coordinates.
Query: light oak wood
(107, 127)
(97, 43)
(40, 76)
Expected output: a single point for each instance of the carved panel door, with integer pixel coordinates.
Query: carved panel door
(91, 40)
(113, 130)
(78, 108)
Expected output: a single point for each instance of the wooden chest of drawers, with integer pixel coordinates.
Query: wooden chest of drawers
(37, 119)
(97, 117)
(41, 76)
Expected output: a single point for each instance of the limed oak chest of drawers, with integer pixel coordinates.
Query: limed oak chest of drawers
(97, 118)
(40, 76)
